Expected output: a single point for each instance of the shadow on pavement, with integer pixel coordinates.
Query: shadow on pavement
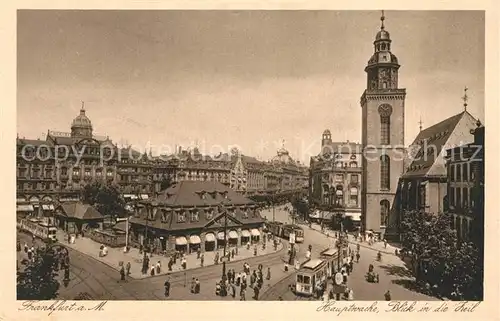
(413, 286)
(397, 270)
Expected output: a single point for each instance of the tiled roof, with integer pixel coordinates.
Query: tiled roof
(235, 218)
(187, 193)
(80, 211)
(436, 137)
(34, 142)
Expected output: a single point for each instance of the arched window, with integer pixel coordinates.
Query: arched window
(385, 166)
(384, 212)
(353, 164)
(385, 111)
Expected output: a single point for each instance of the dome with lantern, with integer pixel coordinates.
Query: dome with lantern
(81, 125)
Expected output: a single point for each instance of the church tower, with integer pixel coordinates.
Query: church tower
(382, 106)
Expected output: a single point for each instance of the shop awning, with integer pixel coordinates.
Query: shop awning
(47, 207)
(255, 232)
(245, 233)
(356, 217)
(233, 235)
(210, 237)
(194, 239)
(220, 235)
(180, 240)
(25, 208)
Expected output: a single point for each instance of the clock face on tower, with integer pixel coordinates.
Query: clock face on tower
(385, 110)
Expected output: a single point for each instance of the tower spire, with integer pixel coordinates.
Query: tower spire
(382, 18)
(420, 123)
(465, 98)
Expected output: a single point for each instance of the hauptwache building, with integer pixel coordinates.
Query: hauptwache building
(188, 216)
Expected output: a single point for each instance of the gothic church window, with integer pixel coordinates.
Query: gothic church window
(384, 212)
(385, 112)
(385, 172)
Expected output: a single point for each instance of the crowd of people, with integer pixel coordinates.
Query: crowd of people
(245, 280)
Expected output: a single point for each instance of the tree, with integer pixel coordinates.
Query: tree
(38, 280)
(166, 182)
(439, 258)
(105, 198)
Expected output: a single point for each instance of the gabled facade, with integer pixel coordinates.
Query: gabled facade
(424, 184)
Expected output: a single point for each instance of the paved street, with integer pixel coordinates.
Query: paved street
(393, 275)
(101, 282)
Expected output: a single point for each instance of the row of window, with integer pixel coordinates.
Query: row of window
(338, 197)
(460, 197)
(194, 216)
(461, 173)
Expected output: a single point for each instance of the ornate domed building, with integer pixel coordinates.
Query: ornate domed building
(81, 127)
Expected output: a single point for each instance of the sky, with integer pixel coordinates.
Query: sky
(253, 79)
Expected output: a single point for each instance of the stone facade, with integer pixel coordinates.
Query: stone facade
(383, 115)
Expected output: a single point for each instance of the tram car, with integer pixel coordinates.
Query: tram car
(283, 230)
(333, 260)
(38, 228)
(311, 276)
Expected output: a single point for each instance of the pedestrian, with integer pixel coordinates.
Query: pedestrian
(242, 294)
(357, 257)
(286, 267)
(158, 267)
(255, 250)
(387, 295)
(248, 245)
(128, 268)
(385, 243)
(198, 253)
(170, 263)
(122, 273)
(141, 247)
(238, 279)
(253, 278)
(216, 258)
(152, 271)
(268, 276)
(236, 251)
(184, 263)
(193, 284)
(232, 253)
(256, 293)
(197, 286)
(30, 254)
(202, 259)
(167, 287)
(233, 290)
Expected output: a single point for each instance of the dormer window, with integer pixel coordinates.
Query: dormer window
(209, 214)
(151, 214)
(181, 217)
(245, 213)
(163, 216)
(195, 217)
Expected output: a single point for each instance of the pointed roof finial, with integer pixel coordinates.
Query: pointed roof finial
(420, 124)
(82, 110)
(283, 143)
(465, 98)
(382, 18)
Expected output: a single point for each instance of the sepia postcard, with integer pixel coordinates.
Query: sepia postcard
(207, 154)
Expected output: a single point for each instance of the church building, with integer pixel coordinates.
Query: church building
(383, 113)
